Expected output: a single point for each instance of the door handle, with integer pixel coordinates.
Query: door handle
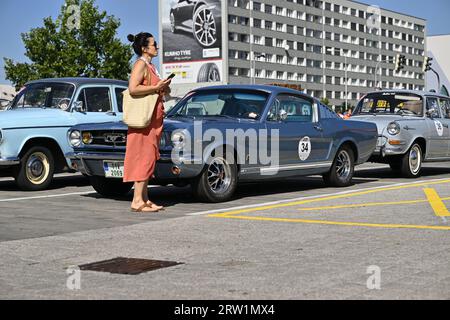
(318, 128)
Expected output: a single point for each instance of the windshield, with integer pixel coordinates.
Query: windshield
(391, 103)
(222, 103)
(45, 95)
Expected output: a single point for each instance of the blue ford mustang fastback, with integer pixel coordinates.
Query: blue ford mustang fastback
(218, 136)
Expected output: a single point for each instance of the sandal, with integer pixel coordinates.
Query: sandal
(141, 209)
(155, 206)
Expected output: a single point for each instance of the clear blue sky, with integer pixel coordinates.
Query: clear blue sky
(142, 15)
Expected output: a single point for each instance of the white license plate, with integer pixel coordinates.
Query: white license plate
(113, 169)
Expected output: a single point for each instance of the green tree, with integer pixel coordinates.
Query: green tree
(325, 101)
(65, 48)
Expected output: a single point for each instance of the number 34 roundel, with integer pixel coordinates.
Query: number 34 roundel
(304, 148)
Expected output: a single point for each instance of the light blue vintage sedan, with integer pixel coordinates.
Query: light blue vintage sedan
(413, 128)
(218, 136)
(33, 131)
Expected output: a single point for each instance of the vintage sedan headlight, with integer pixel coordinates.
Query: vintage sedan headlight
(393, 128)
(178, 139)
(87, 138)
(75, 138)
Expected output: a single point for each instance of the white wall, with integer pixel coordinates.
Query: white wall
(439, 49)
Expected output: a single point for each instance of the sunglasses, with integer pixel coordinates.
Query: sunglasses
(155, 44)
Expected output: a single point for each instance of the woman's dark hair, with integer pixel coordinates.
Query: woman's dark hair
(140, 40)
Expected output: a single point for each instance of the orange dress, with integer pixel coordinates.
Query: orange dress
(142, 149)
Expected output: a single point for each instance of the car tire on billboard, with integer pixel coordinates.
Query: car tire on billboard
(209, 72)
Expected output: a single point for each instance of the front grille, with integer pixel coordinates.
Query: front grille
(109, 138)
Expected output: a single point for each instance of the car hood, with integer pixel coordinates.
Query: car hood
(382, 121)
(35, 117)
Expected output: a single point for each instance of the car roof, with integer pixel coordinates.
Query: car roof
(263, 88)
(418, 92)
(80, 81)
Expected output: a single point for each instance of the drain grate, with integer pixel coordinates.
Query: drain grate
(128, 266)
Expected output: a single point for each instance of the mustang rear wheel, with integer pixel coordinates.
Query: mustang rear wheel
(411, 164)
(110, 187)
(36, 169)
(342, 170)
(218, 180)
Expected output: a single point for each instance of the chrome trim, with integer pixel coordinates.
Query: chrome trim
(296, 167)
(9, 162)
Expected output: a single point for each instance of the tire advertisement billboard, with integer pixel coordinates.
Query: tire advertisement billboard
(191, 40)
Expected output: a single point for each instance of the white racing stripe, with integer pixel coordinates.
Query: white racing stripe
(311, 197)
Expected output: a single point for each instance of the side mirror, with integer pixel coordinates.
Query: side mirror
(282, 115)
(78, 106)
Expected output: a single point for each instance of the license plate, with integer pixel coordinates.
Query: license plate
(113, 169)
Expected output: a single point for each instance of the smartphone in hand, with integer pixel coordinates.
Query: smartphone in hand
(171, 76)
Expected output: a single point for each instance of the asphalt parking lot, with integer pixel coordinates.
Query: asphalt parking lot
(289, 239)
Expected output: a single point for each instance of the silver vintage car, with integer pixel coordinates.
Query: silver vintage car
(413, 127)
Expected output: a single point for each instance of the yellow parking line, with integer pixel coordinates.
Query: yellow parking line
(370, 204)
(436, 203)
(340, 196)
(339, 223)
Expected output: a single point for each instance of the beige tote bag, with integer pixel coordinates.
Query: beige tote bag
(138, 110)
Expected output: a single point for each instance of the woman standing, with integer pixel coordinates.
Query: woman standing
(142, 150)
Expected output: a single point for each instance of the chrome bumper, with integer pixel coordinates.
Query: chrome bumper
(6, 162)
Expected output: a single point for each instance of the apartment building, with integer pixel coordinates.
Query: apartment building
(329, 48)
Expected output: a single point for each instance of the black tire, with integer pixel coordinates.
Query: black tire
(220, 165)
(209, 72)
(36, 169)
(342, 170)
(173, 23)
(395, 165)
(411, 163)
(110, 187)
(205, 37)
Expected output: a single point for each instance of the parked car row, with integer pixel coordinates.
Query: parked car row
(58, 125)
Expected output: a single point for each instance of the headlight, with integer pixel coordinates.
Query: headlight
(75, 138)
(163, 142)
(178, 139)
(87, 138)
(393, 128)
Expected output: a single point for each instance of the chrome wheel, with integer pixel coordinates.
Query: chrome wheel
(343, 165)
(37, 168)
(415, 159)
(219, 175)
(205, 30)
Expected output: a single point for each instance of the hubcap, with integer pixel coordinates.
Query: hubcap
(37, 168)
(343, 165)
(219, 175)
(205, 28)
(415, 159)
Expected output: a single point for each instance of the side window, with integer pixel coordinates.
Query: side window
(445, 107)
(432, 103)
(119, 98)
(297, 109)
(95, 99)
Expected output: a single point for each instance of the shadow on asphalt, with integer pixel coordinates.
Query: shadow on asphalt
(58, 183)
(384, 173)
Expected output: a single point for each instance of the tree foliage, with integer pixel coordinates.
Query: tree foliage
(61, 48)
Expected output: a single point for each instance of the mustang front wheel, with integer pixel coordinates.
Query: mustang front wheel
(342, 170)
(218, 180)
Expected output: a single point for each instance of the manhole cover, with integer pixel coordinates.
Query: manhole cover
(128, 266)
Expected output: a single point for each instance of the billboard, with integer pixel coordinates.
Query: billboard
(192, 40)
